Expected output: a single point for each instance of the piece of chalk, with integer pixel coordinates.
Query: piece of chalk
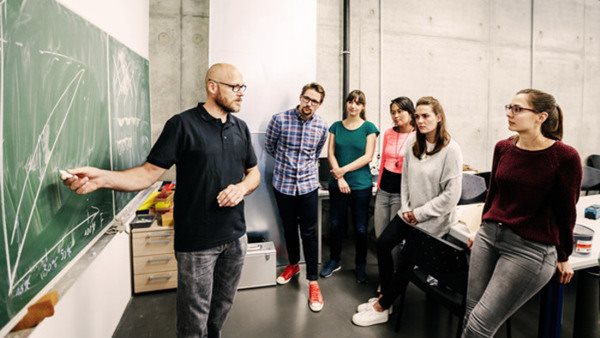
(64, 175)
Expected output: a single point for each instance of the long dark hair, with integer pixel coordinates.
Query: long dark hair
(358, 97)
(552, 128)
(442, 137)
(404, 103)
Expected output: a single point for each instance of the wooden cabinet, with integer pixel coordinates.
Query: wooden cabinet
(154, 264)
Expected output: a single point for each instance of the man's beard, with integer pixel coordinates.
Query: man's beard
(226, 107)
(306, 111)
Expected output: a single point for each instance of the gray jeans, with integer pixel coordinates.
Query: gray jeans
(206, 284)
(505, 271)
(386, 207)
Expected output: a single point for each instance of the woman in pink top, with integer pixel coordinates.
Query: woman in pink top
(387, 201)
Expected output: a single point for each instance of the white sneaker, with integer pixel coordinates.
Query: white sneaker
(369, 304)
(370, 317)
(365, 306)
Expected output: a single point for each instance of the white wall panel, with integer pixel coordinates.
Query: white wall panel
(93, 305)
(276, 56)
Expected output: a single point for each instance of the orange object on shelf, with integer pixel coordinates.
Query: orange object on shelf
(167, 219)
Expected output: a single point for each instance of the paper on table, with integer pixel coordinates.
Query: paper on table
(471, 216)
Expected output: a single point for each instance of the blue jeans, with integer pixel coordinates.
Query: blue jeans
(300, 212)
(206, 284)
(505, 271)
(386, 208)
(359, 201)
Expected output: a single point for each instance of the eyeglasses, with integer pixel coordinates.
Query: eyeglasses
(236, 88)
(517, 109)
(308, 100)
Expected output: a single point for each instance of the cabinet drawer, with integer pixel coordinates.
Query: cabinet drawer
(155, 281)
(155, 263)
(152, 243)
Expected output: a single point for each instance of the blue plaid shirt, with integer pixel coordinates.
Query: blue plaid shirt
(295, 144)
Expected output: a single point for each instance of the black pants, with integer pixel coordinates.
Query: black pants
(358, 201)
(392, 282)
(300, 210)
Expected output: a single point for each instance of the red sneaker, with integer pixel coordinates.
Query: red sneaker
(315, 298)
(287, 274)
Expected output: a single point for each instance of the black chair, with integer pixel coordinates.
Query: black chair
(474, 189)
(593, 161)
(444, 261)
(591, 179)
(486, 175)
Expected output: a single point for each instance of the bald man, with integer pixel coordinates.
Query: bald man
(215, 167)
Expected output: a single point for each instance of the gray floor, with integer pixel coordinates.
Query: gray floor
(282, 311)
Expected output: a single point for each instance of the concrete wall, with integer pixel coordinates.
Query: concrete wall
(473, 55)
(178, 59)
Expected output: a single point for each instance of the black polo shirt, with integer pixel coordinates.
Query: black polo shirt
(209, 155)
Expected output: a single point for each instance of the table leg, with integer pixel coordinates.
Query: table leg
(319, 226)
(551, 309)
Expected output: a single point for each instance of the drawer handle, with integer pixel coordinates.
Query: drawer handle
(159, 260)
(159, 277)
(158, 241)
(159, 236)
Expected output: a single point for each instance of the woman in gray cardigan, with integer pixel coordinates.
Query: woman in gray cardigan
(430, 190)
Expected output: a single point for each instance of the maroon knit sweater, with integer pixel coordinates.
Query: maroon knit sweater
(535, 193)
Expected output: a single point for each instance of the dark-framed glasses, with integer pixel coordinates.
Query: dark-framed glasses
(515, 109)
(308, 100)
(236, 88)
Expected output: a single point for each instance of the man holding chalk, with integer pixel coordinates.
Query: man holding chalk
(215, 168)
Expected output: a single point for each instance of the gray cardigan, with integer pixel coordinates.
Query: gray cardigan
(431, 187)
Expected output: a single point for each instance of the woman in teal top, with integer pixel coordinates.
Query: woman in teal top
(350, 150)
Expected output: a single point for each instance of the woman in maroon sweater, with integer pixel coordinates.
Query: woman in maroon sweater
(529, 215)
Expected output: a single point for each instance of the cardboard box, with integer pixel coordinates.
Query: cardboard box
(259, 266)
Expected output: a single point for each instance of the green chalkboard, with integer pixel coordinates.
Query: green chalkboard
(130, 111)
(70, 95)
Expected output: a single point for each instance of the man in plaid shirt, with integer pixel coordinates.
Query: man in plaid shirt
(295, 139)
